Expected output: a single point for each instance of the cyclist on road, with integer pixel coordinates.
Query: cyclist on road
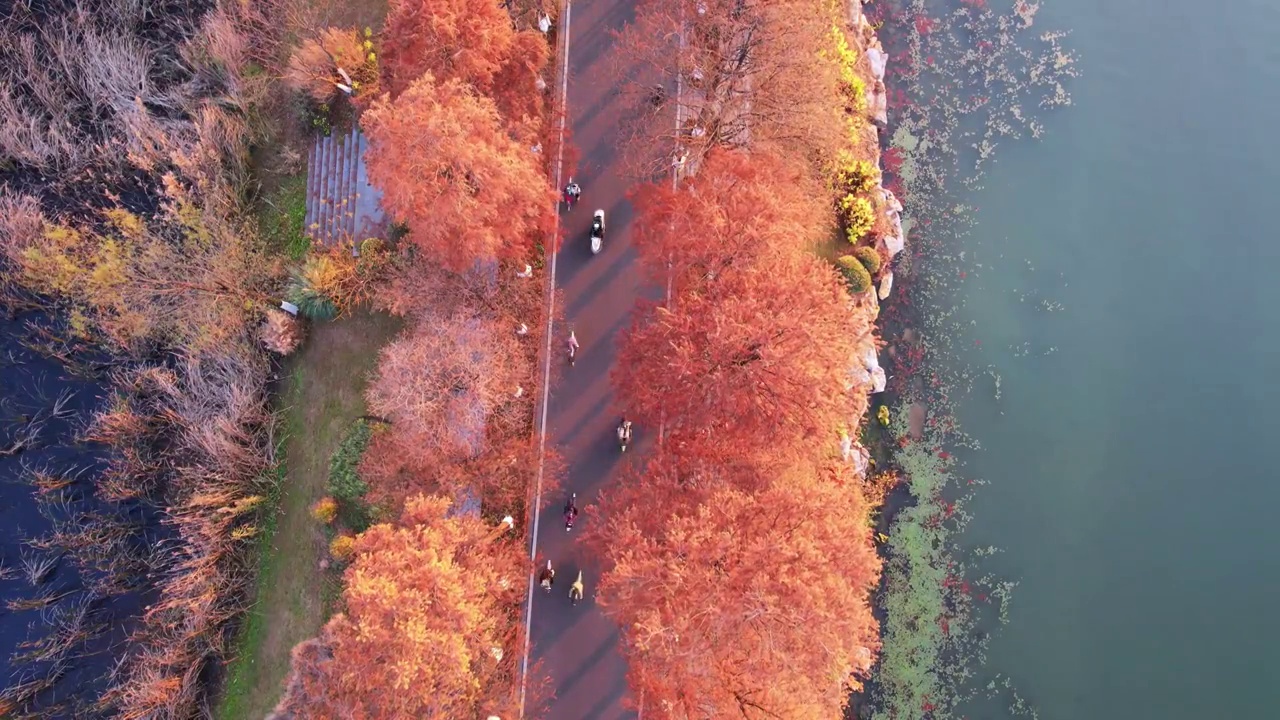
(572, 192)
(624, 433)
(570, 512)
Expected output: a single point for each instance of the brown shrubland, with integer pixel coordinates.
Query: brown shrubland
(78, 71)
(169, 275)
(193, 283)
(94, 87)
(212, 412)
(21, 224)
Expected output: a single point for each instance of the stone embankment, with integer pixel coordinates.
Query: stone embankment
(874, 63)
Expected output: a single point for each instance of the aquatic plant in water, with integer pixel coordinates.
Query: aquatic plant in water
(964, 78)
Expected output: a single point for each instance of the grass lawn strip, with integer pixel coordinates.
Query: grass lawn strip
(324, 397)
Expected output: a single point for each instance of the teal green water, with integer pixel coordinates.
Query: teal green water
(1134, 483)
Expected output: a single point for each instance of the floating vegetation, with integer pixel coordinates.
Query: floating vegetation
(966, 78)
(38, 566)
(44, 598)
(72, 566)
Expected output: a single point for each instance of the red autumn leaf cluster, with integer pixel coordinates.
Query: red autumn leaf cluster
(423, 631)
(439, 384)
(472, 41)
(738, 209)
(725, 579)
(720, 552)
(450, 170)
(760, 355)
(758, 339)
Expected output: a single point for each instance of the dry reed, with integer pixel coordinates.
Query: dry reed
(85, 95)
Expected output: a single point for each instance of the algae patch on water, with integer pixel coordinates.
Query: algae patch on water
(964, 81)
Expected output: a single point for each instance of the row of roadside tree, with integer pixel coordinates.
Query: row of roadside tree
(428, 623)
(738, 557)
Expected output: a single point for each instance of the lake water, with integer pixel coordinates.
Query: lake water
(36, 389)
(1133, 482)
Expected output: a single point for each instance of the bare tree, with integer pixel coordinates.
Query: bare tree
(439, 382)
(749, 71)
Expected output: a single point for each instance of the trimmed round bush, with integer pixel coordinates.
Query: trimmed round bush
(281, 332)
(342, 548)
(855, 274)
(325, 510)
(869, 258)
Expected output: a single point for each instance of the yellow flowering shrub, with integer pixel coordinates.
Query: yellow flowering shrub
(325, 510)
(342, 548)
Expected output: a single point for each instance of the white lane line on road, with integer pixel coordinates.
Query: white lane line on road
(546, 374)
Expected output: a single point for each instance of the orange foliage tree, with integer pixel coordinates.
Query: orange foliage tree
(749, 599)
(447, 167)
(760, 355)
(468, 40)
(737, 210)
(516, 89)
(439, 382)
(414, 285)
(425, 631)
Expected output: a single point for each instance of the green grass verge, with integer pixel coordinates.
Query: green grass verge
(345, 484)
(282, 214)
(240, 673)
(294, 597)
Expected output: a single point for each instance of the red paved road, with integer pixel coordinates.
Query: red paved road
(578, 646)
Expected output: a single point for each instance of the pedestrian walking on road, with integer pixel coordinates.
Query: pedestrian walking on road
(575, 590)
(624, 433)
(547, 577)
(573, 347)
